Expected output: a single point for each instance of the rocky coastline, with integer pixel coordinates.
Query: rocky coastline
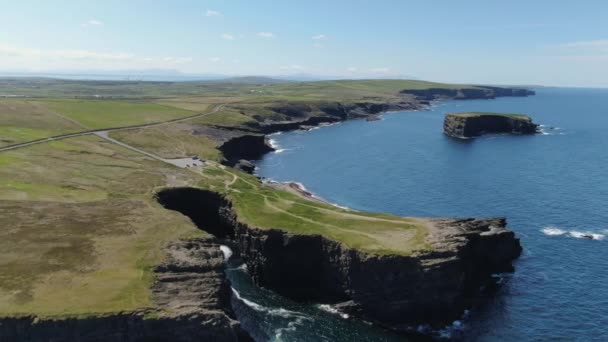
(241, 151)
(193, 295)
(399, 292)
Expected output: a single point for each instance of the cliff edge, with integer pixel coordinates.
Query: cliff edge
(433, 284)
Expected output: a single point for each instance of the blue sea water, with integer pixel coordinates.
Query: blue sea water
(552, 187)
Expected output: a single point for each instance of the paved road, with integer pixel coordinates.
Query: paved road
(94, 131)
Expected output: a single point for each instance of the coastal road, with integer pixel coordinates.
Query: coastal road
(107, 130)
(179, 162)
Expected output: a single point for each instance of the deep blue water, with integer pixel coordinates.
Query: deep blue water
(551, 187)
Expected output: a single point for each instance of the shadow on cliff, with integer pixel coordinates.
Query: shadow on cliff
(201, 206)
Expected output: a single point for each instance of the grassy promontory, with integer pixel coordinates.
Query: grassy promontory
(81, 231)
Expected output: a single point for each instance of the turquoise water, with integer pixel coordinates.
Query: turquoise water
(552, 188)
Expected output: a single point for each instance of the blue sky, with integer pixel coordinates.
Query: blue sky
(502, 42)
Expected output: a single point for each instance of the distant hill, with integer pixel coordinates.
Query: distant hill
(250, 80)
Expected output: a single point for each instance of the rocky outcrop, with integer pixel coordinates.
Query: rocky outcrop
(478, 92)
(248, 147)
(192, 298)
(397, 291)
(467, 125)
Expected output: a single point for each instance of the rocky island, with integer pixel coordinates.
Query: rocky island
(472, 124)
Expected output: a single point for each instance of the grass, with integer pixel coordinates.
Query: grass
(80, 229)
(94, 114)
(170, 141)
(265, 207)
(23, 120)
(476, 114)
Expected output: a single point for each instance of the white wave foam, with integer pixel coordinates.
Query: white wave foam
(273, 143)
(226, 251)
(332, 310)
(555, 231)
(253, 305)
(586, 235)
(280, 312)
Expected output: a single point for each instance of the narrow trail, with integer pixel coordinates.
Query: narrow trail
(104, 131)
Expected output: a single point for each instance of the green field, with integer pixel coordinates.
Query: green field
(478, 114)
(23, 120)
(266, 207)
(106, 114)
(80, 230)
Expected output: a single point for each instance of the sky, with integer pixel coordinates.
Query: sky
(554, 43)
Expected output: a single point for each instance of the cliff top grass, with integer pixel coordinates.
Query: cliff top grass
(479, 114)
(267, 207)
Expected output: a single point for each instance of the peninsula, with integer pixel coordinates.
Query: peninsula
(89, 250)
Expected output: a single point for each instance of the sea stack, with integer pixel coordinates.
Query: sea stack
(472, 124)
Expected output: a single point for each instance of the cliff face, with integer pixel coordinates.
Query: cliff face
(479, 92)
(392, 290)
(466, 126)
(193, 304)
(248, 147)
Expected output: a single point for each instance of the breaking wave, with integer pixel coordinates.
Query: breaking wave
(555, 231)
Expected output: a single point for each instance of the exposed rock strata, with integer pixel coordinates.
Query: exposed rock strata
(479, 92)
(193, 304)
(396, 291)
(467, 126)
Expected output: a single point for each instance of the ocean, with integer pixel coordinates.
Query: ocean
(552, 187)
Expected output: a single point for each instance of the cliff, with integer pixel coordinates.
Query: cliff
(432, 286)
(478, 92)
(467, 125)
(192, 298)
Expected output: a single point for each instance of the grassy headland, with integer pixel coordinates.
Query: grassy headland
(80, 228)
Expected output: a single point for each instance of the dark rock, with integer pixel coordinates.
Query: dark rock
(192, 297)
(245, 166)
(478, 92)
(467, 125)
(248, 147)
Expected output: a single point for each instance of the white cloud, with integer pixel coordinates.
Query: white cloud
(75, 58)
(177, 60)
(600, 43)
(93, 22)
(319, 37)
(227, 36)
(351, 69)
(266, 34)
(212, 13)
(293, 67)
(214, 59)
(380, 70)
(585, 47)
